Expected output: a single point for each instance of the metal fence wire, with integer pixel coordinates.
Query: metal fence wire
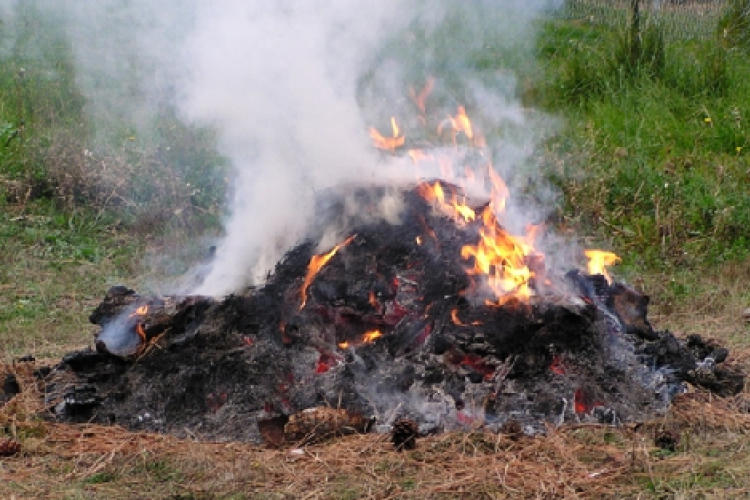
(679, 19)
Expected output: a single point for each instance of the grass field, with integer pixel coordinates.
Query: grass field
(652, 161)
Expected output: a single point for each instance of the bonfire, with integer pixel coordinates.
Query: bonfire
(444, 320)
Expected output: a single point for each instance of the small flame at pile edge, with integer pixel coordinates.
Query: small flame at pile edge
(598, 262)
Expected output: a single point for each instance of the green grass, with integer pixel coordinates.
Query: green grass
(653, 158)
(54, 267)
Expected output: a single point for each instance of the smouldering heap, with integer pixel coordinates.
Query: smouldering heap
(442, 320)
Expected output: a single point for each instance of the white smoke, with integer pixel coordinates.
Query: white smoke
(291, 86)
(278, 80)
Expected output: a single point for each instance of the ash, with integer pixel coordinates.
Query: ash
(391, 326)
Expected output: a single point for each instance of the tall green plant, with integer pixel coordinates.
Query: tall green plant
(641, 49)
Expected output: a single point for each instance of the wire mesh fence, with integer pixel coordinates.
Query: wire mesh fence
(681, 19)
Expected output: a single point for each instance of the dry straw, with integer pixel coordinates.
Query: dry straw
(577, 461)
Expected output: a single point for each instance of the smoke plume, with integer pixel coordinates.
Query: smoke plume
(278, 81)
(291, 87)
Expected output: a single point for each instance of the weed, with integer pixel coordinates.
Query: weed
(733, 28)
(101, 477)
(161, 470)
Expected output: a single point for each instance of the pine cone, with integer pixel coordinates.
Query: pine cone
(667, 440)
(404, 434)
(9, 447)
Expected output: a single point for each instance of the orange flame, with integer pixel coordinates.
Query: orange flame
(140, 311)
(371, 336)
(458, 209)
(598, 262)
(388, 143)
(500, 191)
(502, 259)
(140, 331)
(368, 338)
(458, 123)
(454, 317)
(316, 263)
(507, 263)
(419, 99)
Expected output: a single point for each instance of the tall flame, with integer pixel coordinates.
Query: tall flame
(141, 331)
(420, 98)
(499, 258)
(316, 263)
(598, 262)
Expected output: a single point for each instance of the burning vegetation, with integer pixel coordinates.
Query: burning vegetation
(445, 320)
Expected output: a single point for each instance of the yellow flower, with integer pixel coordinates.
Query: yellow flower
(707, 119)
(738, 148)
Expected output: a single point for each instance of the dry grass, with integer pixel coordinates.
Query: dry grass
(88, 461)
(712, 460)
(709, 303)
(137, 183)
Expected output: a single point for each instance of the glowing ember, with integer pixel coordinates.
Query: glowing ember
(371, 336)
(598, 262)
(583, 402)
(557, 367)
(316, 263)
(141, 311)
(326, 361)
(343, 345)
(388, 143)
